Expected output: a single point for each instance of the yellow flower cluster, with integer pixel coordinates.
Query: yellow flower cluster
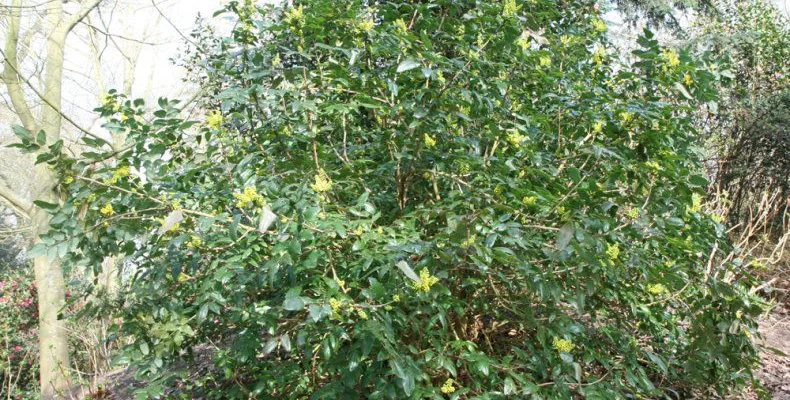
(366, 25)
(109, 101)
(696, 203)
(653, 165)
(523, 41)
(687, 79)
(632, 213)
(322, 183)
(337, 306)
(599, 55)
(119, 174)
(656, 289)
(214, 119)
(396, 298)
(248, 197)
(529, 201)
(544, 61)
(598, 126)
(626, 117)
(362, 314)
(509, 9)
(613, 251)
(563, 345)
(671, 58)
(429, 141)
(469, 241)
(599, 25)
(400, 26)
(515, 139)
(194, 242)
(448, 386)
(107, 210)
(295, 16)
(426, 281)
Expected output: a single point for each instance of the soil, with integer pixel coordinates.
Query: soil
(775, 370)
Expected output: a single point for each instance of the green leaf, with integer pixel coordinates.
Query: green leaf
(144, 348)
(41, 138)
(45, 205)
(406, 65)
(564, 236)
(293, 304)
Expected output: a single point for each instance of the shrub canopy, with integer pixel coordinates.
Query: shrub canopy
(433, 199)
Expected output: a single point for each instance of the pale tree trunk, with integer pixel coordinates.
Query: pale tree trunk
(49, 278)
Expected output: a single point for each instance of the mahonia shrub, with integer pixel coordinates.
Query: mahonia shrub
(417, 199)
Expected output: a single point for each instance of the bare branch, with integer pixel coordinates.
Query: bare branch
(79, 15)
(19, 205)
(53, 106)
(11, 75)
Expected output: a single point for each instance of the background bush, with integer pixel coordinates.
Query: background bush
(419, 200)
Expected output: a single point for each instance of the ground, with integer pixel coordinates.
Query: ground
(775, 370)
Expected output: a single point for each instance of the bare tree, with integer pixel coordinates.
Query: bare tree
(53, 341)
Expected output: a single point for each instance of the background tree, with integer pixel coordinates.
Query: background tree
(49, 280)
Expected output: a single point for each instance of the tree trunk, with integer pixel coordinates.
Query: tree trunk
(52, 334)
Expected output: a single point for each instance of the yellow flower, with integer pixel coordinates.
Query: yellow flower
(529, 201)
(214, 119)
(429, 141)
(598, 126)
(656, 289)
(655, 166)
(523, 41)
(340, 283)
(248, 197)
(655, 125)
(295, 16)
(563, 345)
(671, 57)
(107, 210)
(626, 117)
(366, 25)
(599, 55)
(599, 25)
(469, 241)
(613, 251)
(509, 9)
(400, 26)
(448, 387)
(632, 213)
(396, 298)
(322, 183)
(426, 281)
(194, 242)
(336, 305)
(696, 203)
(515, 139)
(687, 79)
(119, 173)
(67, 180)
(544, 61)
(362, 314)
